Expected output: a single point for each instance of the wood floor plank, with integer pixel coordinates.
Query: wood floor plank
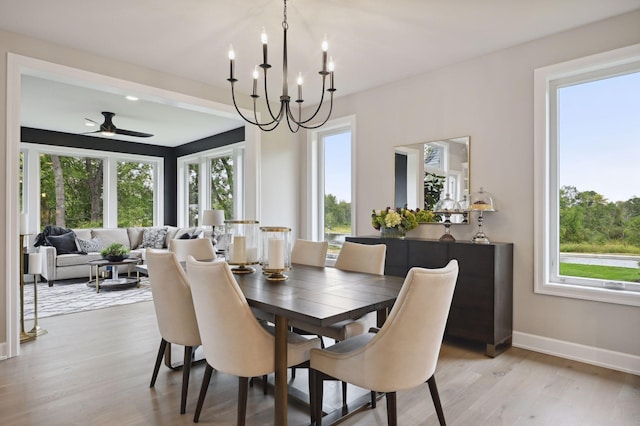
(94, 368)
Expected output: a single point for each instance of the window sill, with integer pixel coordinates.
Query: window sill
(620, 297)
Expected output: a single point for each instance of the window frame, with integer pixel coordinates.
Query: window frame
(315, 175)
(110, 210)
(546, 185)
(203, 159)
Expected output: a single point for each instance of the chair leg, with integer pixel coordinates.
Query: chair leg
(265, 384)
(312, 402)
(317, 395)
(392, 410)
(186, 370)
(344, 394)
(374, 398)
(436, 399)
(243, 388)
(203, 392)
(156, 368)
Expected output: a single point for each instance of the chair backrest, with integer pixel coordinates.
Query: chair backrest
(233, 340)
(404, 353)
(312, 253)
(357, 257)
(172, 298)
(199, 248)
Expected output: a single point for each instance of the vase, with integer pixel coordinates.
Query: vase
(396, 232)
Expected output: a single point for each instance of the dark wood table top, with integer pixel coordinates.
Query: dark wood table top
(320, 296)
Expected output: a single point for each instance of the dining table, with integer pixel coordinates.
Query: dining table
(315, 295)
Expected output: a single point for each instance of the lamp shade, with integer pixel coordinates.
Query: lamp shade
(213, 218)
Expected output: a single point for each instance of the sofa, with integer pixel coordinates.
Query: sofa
(66, 256)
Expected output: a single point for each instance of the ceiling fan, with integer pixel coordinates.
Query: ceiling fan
(107, 128)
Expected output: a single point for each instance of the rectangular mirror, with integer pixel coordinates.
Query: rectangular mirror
(426, 172)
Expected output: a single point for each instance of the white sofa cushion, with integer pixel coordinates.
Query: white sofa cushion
(112, 235)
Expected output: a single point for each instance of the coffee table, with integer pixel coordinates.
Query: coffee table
(115, 282)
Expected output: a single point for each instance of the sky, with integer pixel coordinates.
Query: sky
(337, 180)
(599, 132)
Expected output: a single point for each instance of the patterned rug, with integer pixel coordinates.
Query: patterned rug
(70, 296)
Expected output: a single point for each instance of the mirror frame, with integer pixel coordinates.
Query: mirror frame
(409, 161)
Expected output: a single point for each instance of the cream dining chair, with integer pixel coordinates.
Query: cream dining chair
(174, 312)
(367, 258)
(358, 258)
(403, 354)
(312, 253)
(233, 340)
(199, 248)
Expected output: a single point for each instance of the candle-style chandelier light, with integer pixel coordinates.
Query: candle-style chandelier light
(285, 108)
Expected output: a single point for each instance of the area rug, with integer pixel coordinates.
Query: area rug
(70, 296)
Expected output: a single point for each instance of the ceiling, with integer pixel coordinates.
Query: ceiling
(373, 43)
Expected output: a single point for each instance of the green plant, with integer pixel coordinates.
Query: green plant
(115, 249)
(390, 218)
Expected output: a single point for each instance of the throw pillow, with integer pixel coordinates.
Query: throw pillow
(64, 244)
(154, 237)
(89, 246)
(190, 235)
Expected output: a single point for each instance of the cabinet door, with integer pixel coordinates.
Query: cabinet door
(427, 254)
(472, 308)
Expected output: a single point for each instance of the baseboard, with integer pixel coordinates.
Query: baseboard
(619, 361)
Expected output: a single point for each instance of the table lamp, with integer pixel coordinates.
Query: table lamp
(213, 218)
(481, 201)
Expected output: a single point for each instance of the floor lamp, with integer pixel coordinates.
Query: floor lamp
(35, 268)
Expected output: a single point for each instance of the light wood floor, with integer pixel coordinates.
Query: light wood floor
(93, 368)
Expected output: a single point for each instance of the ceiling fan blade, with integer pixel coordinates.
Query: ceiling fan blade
(133, 133)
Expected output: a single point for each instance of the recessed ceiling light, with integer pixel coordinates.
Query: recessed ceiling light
(131, 98)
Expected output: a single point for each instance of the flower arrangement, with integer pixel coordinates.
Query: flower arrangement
(401, 219)
(426, 216)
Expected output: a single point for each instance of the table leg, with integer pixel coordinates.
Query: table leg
(280, 414)
(97, 279)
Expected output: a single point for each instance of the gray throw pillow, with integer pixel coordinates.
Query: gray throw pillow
(90, 246)
(154, 237)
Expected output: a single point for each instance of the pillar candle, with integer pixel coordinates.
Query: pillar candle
(276, 253)
(239, 253)
(252, 254)
(23, 223)
(34, 263)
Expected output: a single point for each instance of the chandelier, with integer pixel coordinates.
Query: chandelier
(294, 121)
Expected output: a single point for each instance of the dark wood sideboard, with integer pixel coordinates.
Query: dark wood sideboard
(482, 306)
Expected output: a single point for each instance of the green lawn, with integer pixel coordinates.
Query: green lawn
(614, 273)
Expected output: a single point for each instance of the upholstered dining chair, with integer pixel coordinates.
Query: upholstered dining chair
(233, 340)
(312, 253)
(356, 257)
(199, 248)
(403, 354)
(367, 258)
(174, 312)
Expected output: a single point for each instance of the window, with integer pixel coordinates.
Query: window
(587, 196)
(212, 180)
(332, 208)
(76, 188)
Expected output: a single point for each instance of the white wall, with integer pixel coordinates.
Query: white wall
(490, 99)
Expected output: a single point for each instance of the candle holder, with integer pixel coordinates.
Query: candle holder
(35, 269)
(242, 250)
(275, 253)
(446, 207)
(24, 336)
(481, 202)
